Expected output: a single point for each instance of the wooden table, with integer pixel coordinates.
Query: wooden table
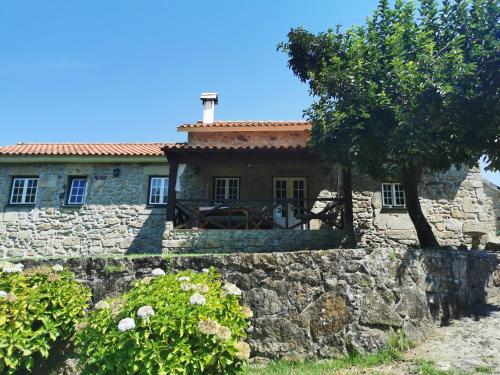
(204, 212)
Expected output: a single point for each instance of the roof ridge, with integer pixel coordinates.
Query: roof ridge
(84, 143)
(265, 121)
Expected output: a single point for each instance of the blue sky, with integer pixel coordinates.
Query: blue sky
(130, 70)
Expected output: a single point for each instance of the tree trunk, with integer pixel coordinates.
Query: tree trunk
(348, 211)
(347, 195)
(409, 179)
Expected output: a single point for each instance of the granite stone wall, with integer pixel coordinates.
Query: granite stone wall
(249, 138)
(251, 240)
(114, 219)
(493, 192)
(454, 203)
(316, 304)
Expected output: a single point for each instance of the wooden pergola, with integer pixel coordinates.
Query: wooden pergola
(191, 154)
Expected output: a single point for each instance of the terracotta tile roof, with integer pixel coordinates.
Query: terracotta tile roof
(247, 124)
(188, 147)
(83, 149)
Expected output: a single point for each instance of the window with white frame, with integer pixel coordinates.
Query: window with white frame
(24, 190)
(158, 190)
(393, 195)
(227, 188)
(77, 190)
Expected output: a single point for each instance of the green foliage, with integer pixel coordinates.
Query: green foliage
(413, 88)
(197, 327)
(115, 268)
(42, 306)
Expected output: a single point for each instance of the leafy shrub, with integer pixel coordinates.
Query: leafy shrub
(37, 308)
(186, 323)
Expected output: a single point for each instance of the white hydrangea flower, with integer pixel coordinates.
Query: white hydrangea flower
(243, 350)
(197, 299)
(13, 268)
(208, 326)
(158, 272)
(102, 305)
(201, 288)
(205, 270)
(57, 268)
(187, 286)
(126, 324)
(223, 333)
(184, 278)
(145, 312)
(232, 289)
(3, 293)
(247, 313)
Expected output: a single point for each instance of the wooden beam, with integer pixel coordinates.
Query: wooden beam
(173, 162)
(246, 156)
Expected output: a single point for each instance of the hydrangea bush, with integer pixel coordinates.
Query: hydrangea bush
(185, 323)
(37, 308)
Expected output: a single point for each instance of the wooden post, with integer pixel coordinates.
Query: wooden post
(173, 164)
(347, 195)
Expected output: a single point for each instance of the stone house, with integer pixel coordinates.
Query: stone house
(233, 186)
(493, 192)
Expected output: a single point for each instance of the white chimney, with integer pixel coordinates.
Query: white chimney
(209, 101)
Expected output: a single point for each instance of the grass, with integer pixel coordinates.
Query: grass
(111, 268)
(428, 368)
(393, 352)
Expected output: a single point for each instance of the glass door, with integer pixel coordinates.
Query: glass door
(289, 194)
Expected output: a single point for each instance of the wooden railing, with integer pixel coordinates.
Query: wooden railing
(259, 214)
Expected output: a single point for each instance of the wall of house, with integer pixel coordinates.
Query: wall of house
(454, 203)
(114, 219)
(493, 192)
(256, 180)
(249, 138)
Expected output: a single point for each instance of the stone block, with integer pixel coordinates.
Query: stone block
(471, 227)
(375, 311)
(38, 243)
(453, 225)
(113, 221)
(10, 217)
(45, 226)
(435, 218)
(24, 235)
(439, 226)
(108, 243)
(400, 234)
(469, 206)
(71, 242)
(391, 221)
(15, 252)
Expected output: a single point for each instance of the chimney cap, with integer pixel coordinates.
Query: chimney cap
(209, 96)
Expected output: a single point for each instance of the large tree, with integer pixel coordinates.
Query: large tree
(415, 90)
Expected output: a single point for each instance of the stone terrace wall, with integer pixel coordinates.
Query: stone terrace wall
(315, 304)
(251, 240)
(113, 220)
(453, 202)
